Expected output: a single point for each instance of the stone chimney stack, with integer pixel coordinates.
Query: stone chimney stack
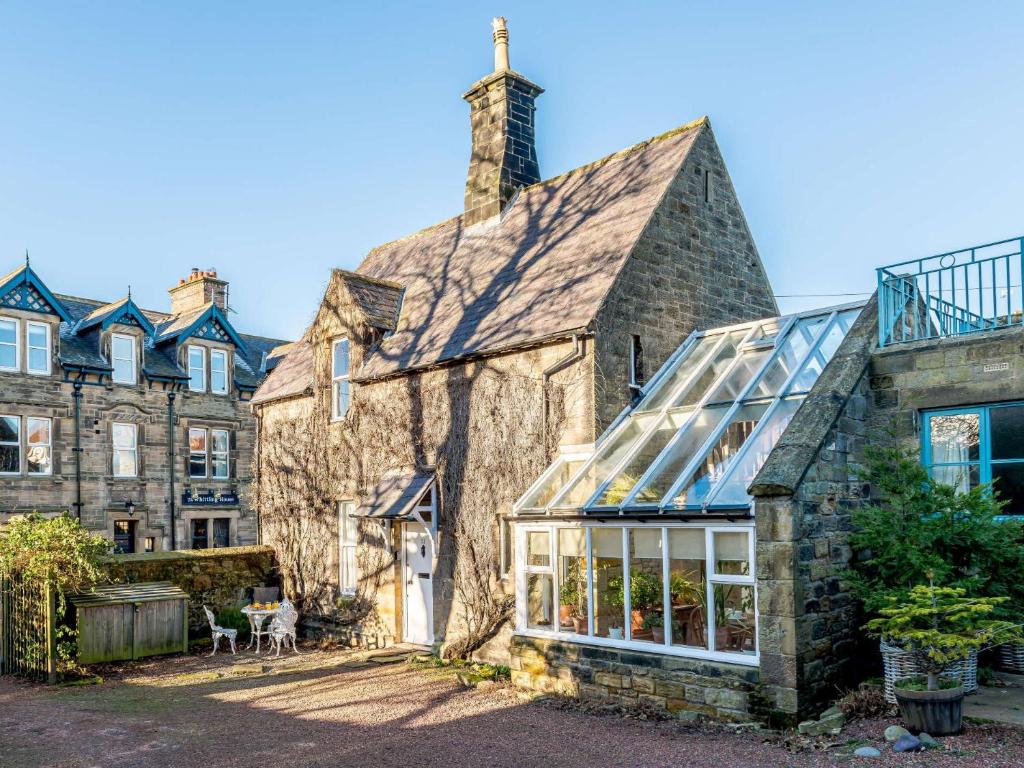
(198, 290)
(504, 155)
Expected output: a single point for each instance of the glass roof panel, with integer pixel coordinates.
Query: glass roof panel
(679, 453)
(732, 490)
(564, 469)
(606, 460)
(716, 461)
(624, 480)
(788, 356)
(733, 385)
(684, 368)
(718, 364)
(829, 344)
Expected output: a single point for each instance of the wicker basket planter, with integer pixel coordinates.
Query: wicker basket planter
(1011, 657)
(900, 664)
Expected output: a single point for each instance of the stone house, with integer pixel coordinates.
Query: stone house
(727, 491)
(136, 421)
(440, 377)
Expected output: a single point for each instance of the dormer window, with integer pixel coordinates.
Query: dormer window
(196, 369)
(218, 371)
(38, 343)
(8, 344)
(340, 387)
(122, 358)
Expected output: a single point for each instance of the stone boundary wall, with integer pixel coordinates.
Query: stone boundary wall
(681, 686)
(217, 578)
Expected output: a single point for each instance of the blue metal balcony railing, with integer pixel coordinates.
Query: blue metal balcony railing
(952, 294)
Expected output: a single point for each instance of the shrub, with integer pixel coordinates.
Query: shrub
(941, 625)
(919, 530)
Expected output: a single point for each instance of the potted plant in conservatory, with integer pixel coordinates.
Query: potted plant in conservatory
(644, 595)
(573, 597)
(939, 626)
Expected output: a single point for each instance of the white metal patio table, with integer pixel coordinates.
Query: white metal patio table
(256, 618)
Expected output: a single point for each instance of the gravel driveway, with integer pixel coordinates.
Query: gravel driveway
(335, 709)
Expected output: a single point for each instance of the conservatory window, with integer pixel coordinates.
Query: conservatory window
(572, 580)
(540, 602)
(609, 588)
(690, 590)
(984, 444)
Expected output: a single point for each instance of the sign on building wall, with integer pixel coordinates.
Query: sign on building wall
(197, 497)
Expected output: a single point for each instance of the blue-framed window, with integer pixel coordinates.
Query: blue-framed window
(963, 447)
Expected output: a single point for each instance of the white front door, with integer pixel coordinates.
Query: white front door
(418, 589)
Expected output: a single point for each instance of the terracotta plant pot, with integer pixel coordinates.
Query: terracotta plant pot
(579, 625)
(659, 634)
(637, 621)
(939, 713)
(564, 614)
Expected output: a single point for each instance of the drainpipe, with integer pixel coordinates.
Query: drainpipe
(575, 356)
(170, 463)
(259, 472)
(77, 395)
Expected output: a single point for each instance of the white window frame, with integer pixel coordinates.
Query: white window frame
(205, 453)
(220, 354)
(16, 443)
(114, 450)
(48, 445)
(348, 541)
(712, 579)
(336, 381)
(213, 453)
(114, 337)
(16, 345)
(29, 325)
(200, 368)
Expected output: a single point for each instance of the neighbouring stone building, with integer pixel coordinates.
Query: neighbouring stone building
(439, 379)
(136, 421)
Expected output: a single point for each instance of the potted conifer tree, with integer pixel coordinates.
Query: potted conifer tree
(940, 626)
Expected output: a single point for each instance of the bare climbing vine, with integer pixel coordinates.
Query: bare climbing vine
(477, 425)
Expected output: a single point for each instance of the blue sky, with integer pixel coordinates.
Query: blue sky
(273, 141)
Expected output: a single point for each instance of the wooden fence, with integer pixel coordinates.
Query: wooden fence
(28, 629)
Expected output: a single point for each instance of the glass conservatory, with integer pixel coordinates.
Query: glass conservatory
(663, 498)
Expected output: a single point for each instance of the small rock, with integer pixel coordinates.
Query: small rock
(742, 727)
(487, 685)
(893, 732)
(928, 741)
(828, 724)
(867, 752)
(908, 743)
(830, 712)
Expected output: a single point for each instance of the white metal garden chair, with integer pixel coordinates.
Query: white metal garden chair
(219, 632)
(282, 627)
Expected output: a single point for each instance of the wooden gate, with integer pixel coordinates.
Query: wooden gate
(28, 631)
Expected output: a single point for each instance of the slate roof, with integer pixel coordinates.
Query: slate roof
(394, 497)
(292, 376)
(538, 271)
(379, 300)
(82, 349)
